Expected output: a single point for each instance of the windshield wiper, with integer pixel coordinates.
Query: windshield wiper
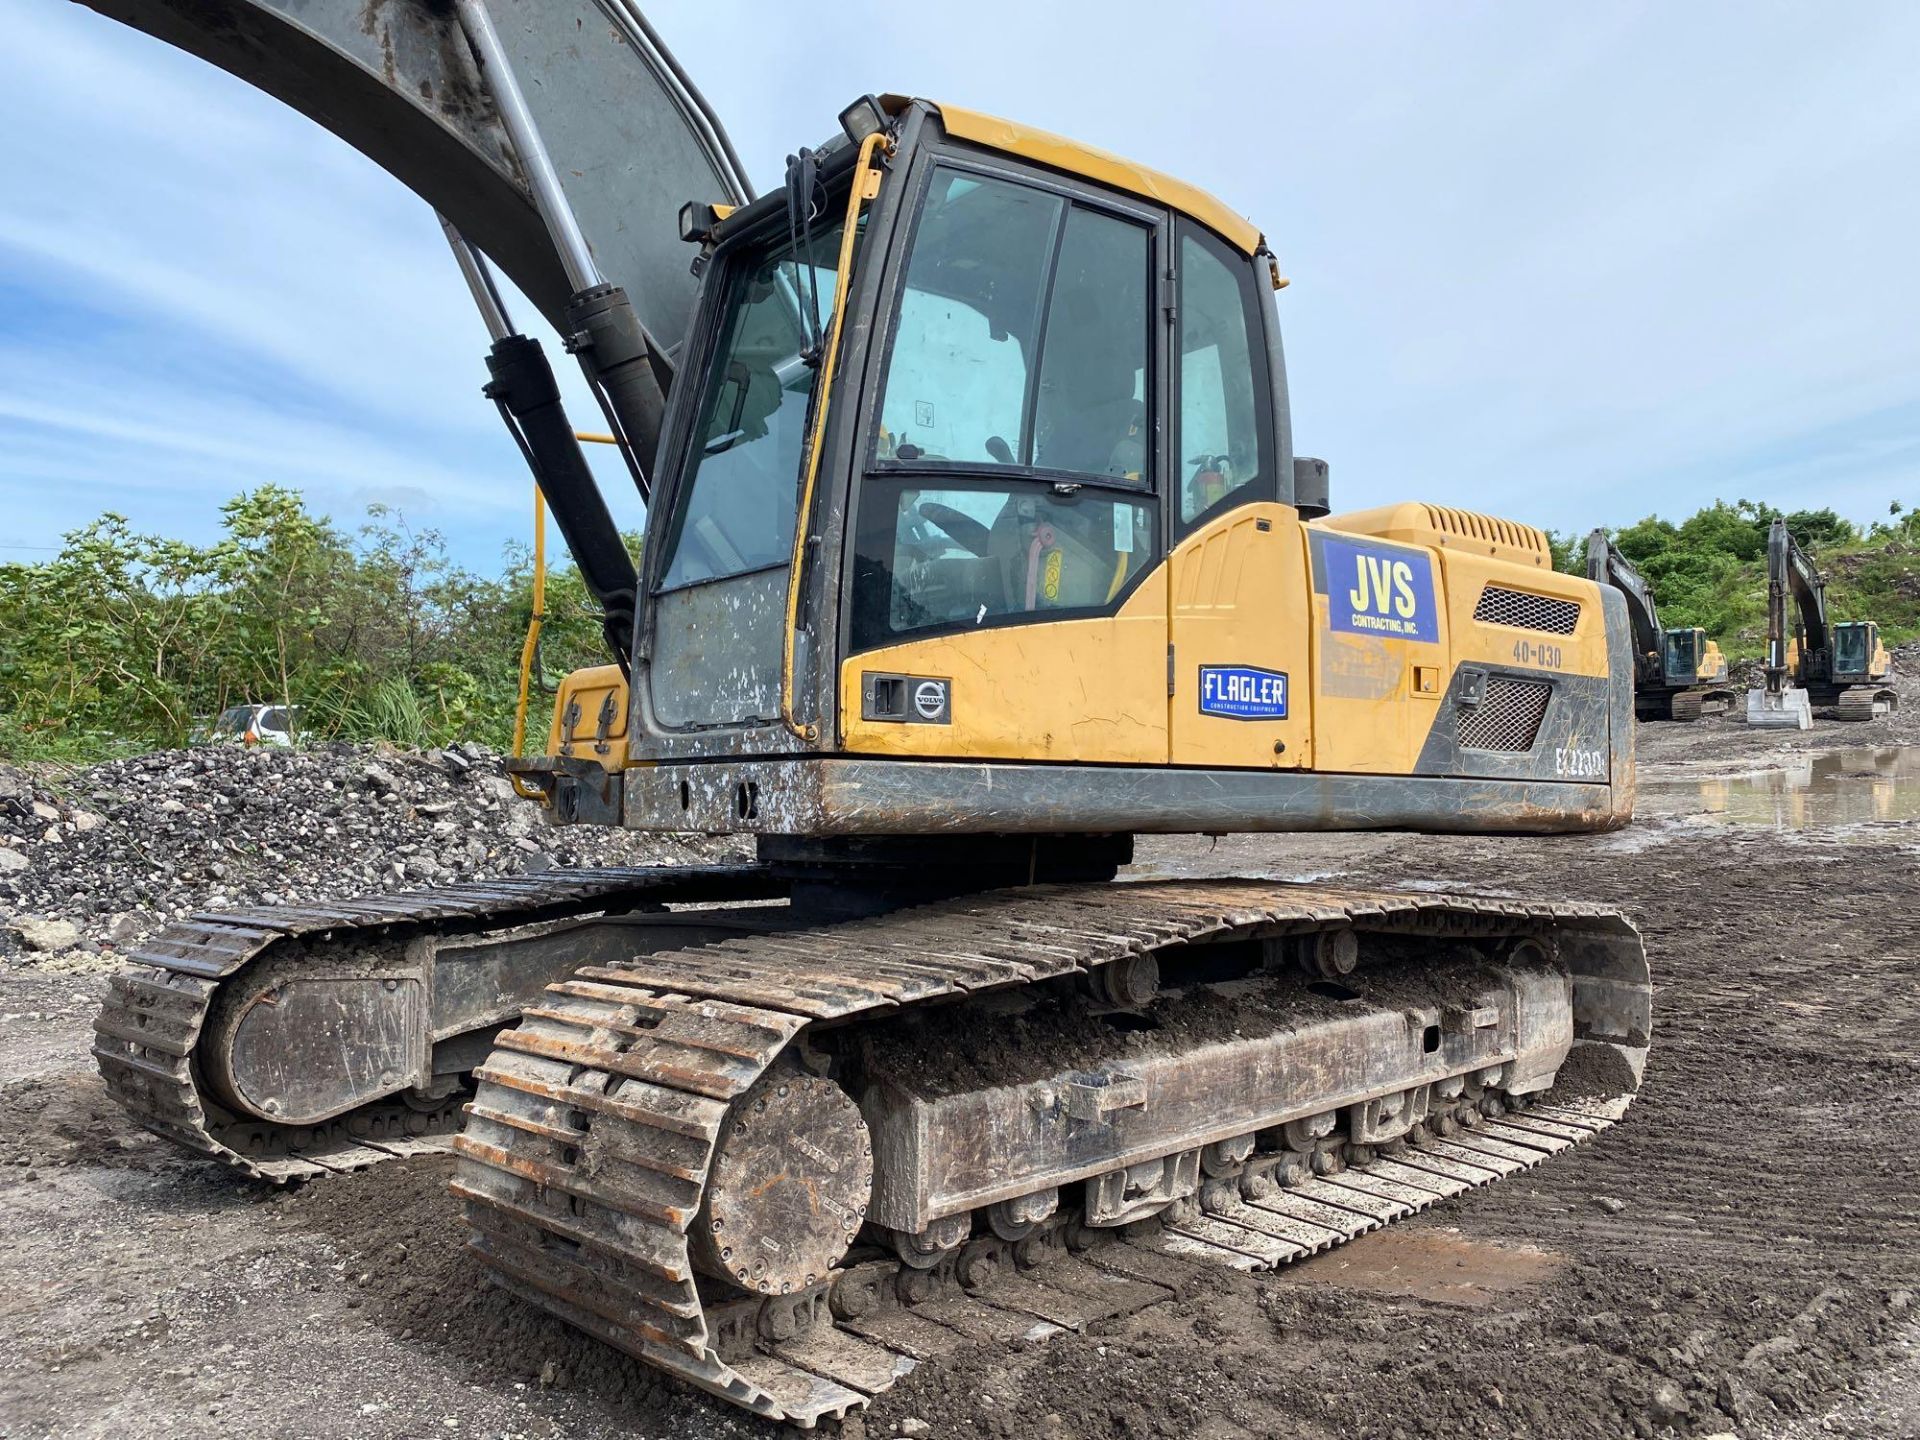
(803, 208)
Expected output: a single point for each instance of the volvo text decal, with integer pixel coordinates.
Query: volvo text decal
(1378, 589)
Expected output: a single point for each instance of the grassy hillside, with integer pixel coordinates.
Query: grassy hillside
(1710, 569)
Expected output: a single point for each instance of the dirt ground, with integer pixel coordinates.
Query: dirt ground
(1740, 1256)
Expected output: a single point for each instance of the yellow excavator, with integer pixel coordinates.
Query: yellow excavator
(977, 547)
(1814, 661)
(1679, 671)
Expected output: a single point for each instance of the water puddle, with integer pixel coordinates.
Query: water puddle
(1442, 1266)
(1863, 786)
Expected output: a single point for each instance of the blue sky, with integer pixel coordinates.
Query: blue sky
(1571, 264)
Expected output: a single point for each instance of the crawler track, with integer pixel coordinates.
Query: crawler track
(591, 1141)
(1865, 702)
(153, 1017)
(1687, 706)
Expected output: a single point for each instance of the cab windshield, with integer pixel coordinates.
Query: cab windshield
(1850, 648)
(1681, 658)
(735, 510)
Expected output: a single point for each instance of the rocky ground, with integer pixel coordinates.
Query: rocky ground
(92, 861)
(1740, 1257)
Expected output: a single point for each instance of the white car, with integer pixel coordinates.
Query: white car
(258, 724)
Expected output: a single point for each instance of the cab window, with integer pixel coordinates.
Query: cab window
(1681, 659)
(1850, 647)
(1022, 335)
(1221, 442)
(951, 555)
(1010, 475)
(736, 510)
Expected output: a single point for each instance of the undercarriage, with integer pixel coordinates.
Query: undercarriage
(786, 1155)
(1854, 702)
(1684, 705)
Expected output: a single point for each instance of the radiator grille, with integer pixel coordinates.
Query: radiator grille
(1526, 611)
(1509, 718)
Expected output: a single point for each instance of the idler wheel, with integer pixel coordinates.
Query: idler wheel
(788, 1187)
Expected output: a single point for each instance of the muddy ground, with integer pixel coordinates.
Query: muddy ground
(1751, 1271)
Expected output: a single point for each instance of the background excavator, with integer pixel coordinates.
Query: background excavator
(1812, 660)
(1678, 673)
(933, 609)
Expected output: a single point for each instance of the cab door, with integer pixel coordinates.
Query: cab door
(1240, 642)
(1239, 603)
(1007, 592)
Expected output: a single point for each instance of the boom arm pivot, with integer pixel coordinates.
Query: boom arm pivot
(561, 139)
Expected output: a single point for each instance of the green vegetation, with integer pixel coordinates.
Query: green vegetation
(1710, 569)
(126, 642)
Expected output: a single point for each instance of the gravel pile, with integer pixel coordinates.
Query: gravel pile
(92, 861)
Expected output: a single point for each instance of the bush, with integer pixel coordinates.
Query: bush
(125, 642)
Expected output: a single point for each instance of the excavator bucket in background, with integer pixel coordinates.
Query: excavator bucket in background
(1788, 708)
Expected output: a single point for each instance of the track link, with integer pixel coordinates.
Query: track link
(592, 1137)
(1865, 702)
(1690, 705)
(153, 1018)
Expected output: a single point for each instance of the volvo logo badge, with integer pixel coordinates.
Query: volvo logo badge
(930, 699)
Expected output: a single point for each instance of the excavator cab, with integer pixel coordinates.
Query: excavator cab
(1856, 648)
(1691, 658)
(982, 447)
(1683, 652)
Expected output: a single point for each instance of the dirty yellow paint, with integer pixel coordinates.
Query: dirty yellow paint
(1088, 690)
(1371, 714)
(1100, 166)
(1442, 527)
(590, 717)
(1465, 576)
(1238, 592)
(1241, 597)
(1713, 663)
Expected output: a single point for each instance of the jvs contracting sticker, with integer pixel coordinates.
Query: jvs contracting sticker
(1243, 692)
(1378, 590)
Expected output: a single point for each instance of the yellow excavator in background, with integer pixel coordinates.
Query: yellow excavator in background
(977, 547)
(1679, 673)
(1814, 661)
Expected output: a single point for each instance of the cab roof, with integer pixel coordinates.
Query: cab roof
(1098, 165)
